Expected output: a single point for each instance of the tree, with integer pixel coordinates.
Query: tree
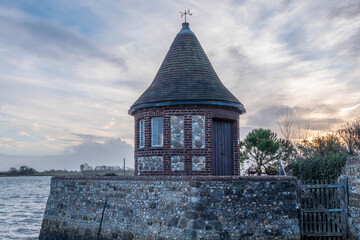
(320, 167)
(286, 125)
(321, 158)
(350, 135)
(262, 147)
(25, 170)
(287, 151)
(320, 145)
(13, 171)
(304, 132)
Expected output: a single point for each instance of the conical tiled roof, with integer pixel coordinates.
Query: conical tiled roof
(186, 76)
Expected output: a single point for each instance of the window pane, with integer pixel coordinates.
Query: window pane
(142, 133)
(157, 131)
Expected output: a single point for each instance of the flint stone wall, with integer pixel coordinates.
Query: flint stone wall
(352, 171)
(177, 163)
(171, 207)
(154, 163)
(198, 132)
(177, 131)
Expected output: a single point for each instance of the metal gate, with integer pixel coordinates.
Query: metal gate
(324, 209)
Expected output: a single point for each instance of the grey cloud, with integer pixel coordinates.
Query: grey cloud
(324, 124)
(287, 3)
(244, 67)
(49, 40)
(267, 117)
(110, 153)
(346, 9)
(249, 79)
(303, 111)
(351, 46)
(132, 84)
(89, 138)
(244, 131)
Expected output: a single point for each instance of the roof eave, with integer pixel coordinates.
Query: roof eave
(238, 106)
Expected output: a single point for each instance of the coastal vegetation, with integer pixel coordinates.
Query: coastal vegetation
(264, 149)
(321, 156)
(324, 156)
(85, 170)
(29, 171)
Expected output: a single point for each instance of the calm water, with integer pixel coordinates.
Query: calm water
(22, 205)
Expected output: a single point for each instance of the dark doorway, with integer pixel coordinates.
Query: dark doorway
(223, 160)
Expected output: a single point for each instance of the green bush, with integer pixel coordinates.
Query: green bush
(110, 174)
(320, 167)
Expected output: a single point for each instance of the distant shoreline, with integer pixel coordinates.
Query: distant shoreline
(58, 174)
(39, 174)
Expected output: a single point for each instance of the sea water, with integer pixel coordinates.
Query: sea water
(22, 205)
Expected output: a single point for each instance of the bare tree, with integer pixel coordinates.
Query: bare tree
(304, 131)
(286, 125)
(350, 135)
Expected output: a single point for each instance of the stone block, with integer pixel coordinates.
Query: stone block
(154, 163)
(177, 131)
(177, 163)
(198, 163)
(198, 131)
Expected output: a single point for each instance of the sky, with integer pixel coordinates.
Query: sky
(70, 70)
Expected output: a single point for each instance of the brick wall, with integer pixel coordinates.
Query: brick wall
(172, 207)
(352, 171)
(188, 152)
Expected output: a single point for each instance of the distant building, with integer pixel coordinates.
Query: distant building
(187, 121)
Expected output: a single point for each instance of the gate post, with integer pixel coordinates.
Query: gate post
(344, 206)
(299, 208)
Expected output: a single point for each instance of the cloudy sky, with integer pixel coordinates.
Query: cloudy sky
(70, 70)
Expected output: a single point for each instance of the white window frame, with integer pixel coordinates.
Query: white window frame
(157, 127)
(141, 133)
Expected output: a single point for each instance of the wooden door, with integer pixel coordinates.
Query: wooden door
(223, 160)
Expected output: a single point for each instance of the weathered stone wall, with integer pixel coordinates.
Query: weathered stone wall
(352, 171)
(166, 207)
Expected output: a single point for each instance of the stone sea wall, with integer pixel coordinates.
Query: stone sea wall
(172, 207)
(352, 171)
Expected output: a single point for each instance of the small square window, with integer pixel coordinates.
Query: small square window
(157, 132)
(142, 133)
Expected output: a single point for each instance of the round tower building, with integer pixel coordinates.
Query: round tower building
(187, 121)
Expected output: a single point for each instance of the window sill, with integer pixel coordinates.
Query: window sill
(149, 148)
(156, 147)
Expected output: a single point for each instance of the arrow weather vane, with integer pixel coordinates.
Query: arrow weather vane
(186, 12)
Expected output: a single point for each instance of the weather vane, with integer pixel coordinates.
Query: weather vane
(186, 13)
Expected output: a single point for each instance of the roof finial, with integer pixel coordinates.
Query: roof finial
(186, 12)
